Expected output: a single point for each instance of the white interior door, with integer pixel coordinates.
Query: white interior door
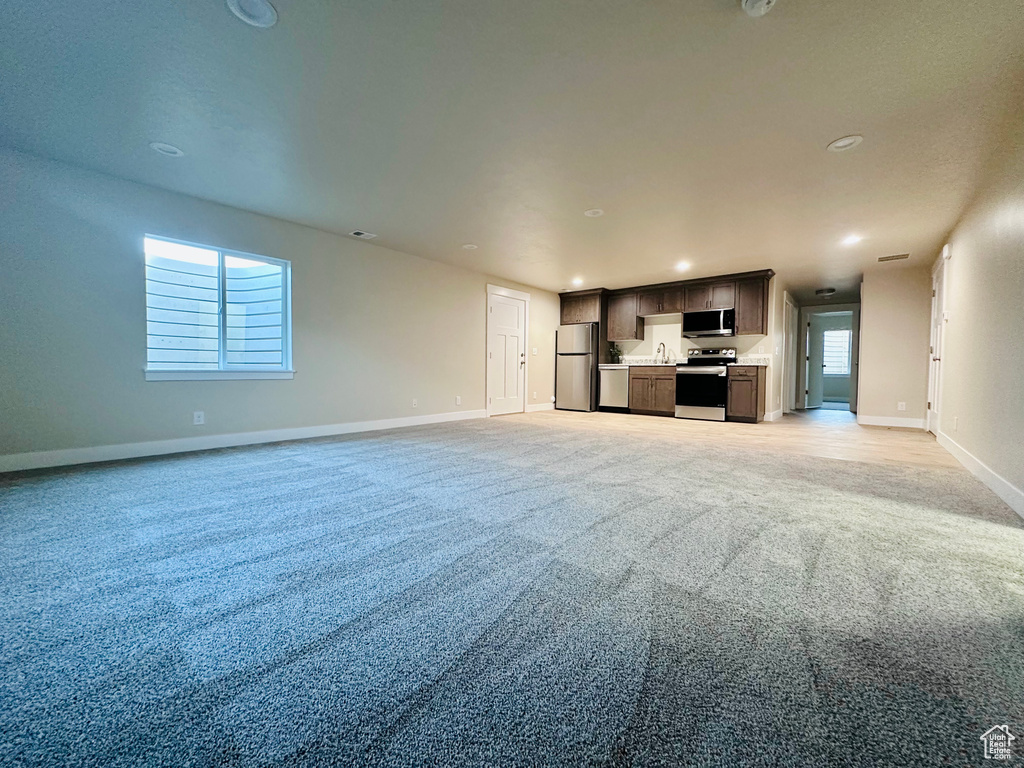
(506, 354)
(935, 366)
(815, 361)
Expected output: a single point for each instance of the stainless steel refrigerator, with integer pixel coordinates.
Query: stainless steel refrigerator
(576, 367)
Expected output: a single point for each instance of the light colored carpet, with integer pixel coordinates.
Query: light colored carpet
(506, 592)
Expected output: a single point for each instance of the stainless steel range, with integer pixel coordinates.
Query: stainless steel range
(702, 384)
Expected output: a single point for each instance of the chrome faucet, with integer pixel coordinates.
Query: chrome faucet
(662, 352)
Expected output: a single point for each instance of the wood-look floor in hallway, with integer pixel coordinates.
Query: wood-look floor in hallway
(827, 433)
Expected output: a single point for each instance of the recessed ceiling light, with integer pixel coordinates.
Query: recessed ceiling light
(845, 143)
(594, 213)
(470, 247)
(166, 149)
(682, 266)
(852, 240)
(757, 8)
(258, 13)
(577, 281)
(826, 293)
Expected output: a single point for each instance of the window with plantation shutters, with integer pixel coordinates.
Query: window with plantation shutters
(212, 313)
(837, 353)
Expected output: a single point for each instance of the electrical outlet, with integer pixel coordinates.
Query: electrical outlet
(198, 418)
(458, 400)
(901, 406)
(415, 402)
(956, 423)
(534, 395)
(760, 349)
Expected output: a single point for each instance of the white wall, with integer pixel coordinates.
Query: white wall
(894, 336)
(982, 406)
(372, 328)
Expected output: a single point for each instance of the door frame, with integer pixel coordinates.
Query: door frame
(801, 361)
(790, 352)
(937, 318)
(509, 293)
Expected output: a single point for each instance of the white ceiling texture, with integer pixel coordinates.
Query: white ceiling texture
(699, 131)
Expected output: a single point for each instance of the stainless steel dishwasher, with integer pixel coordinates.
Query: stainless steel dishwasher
(614, 392)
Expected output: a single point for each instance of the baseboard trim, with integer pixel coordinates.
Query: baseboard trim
(773, 415)
(41, 459)
(1002, 487)
(890, 421)
(530, 408)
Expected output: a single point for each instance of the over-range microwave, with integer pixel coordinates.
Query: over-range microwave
(709, 322)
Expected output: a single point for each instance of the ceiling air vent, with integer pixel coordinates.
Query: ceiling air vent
(897, 257)
(362, 235)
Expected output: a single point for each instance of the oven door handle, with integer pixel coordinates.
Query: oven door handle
(720, 370)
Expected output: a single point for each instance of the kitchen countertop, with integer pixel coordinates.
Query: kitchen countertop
(623, 366)
(647, 362)
(763, 360)
(755, 362)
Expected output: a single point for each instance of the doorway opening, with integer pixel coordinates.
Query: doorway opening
(829, 342)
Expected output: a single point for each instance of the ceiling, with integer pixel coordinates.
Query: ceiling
(699, 131)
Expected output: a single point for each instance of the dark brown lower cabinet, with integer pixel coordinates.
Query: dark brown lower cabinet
(652, 391)
(746, 396)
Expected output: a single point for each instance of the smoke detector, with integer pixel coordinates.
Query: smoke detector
(362, 235)
(757, 8)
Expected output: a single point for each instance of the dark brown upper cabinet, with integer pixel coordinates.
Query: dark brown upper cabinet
(624, 322)
(723, 295)
(710, 296)
(584, 307)
(752, 307)
(661, 302)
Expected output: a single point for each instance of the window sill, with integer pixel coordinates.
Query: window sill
(217, 375)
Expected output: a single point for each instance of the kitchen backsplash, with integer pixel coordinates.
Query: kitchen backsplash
(752, 350)
(641, 360)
